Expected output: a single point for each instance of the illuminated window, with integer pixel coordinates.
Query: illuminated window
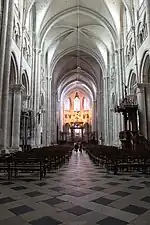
(76, 103)
(67, 104)
(86, 104)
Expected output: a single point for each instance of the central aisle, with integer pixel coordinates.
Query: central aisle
(80, 193)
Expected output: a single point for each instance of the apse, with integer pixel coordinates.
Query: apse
(76, 114)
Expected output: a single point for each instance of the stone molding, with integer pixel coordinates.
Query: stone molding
(17, 88)
(143, 85)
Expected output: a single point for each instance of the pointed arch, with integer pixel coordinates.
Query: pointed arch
(25, 82)
(132, 81)
(145, 68)
(13, 79)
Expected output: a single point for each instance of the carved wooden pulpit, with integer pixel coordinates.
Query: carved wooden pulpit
(128, 107)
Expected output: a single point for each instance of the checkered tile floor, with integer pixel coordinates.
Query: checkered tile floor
(80, 193)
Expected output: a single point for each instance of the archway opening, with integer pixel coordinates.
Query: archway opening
(76, 113)
(12, 82)
(77, 73)
(145, 75)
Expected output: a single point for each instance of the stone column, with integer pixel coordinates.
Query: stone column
(45, 121)
(116, 129)
(37, 94)
(94, 127)
(3, 48)
(59, 118)
(9, 124)
(48, 113)
(33, 93)
(54, 117)
(111, 125)
(106, 108)
(121, 81)
(38, 128)
(119, 85)
(119, 118)
(102, 116)
(140, 91)
(147, 89)
(99, 114)
(18, 88)
(5, 96)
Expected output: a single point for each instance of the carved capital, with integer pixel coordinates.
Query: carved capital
(17, 88)
(143, 85)
(105, 78)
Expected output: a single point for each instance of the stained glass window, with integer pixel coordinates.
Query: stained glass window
(67, 104)
(86, 104)
(77, 103)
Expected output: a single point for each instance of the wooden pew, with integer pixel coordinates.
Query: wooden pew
(36, 160)
(116, 159)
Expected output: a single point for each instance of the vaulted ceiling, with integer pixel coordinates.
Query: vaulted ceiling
(66, 26)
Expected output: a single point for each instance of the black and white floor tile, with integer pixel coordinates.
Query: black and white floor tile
(79, 193)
